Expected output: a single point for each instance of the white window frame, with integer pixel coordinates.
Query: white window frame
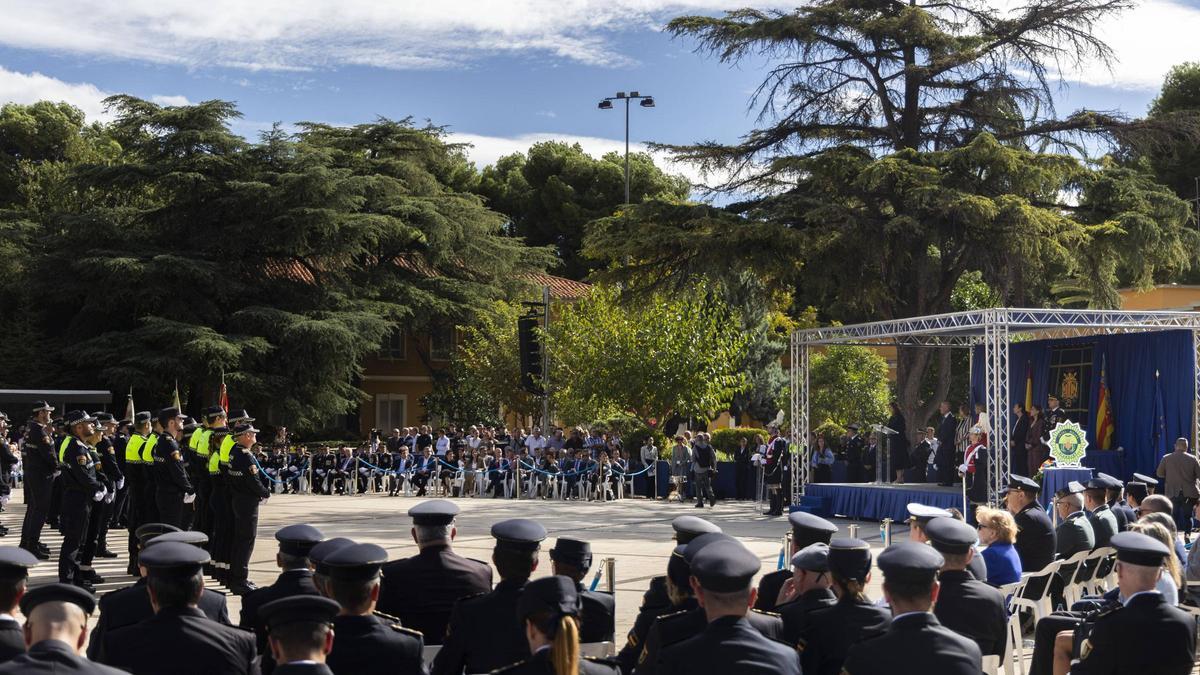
(382, 404)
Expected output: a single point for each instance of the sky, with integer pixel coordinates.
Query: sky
(499, 74)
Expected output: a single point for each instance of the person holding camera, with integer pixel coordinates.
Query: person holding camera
(704, 465)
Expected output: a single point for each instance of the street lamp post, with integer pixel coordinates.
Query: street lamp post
(644, 100)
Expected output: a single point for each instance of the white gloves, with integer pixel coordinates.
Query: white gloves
(962, 468)
(188, 499)
(4, 500)
(109, 497)
(120, 482)
(100, 495)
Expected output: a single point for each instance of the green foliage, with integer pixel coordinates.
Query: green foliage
(846, 384)
(653, 359)
(1177, 165)
(552, 190)
(727, 440)
(488, 356)
(458, 398)
(633, 433)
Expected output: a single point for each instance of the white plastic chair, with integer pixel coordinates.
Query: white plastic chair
(1076, 566)
(1105, 567)
(1040, 606)
(429, 653)
(991, 664)
(1014, 642)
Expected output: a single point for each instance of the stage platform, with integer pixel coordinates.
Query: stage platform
(867, 501)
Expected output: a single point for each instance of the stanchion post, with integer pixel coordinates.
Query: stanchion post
(610, 574)
(885, 532)
(853, 528)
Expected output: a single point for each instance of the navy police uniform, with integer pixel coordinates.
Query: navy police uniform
(39, 464)
(246, 492)
(597, 619)
(968, 607)
(314, 610)
(53, 657)
(1035, 532)
(483, 633)
(81, 487)
(806, 529)
(15, 564)
(171, 483)
(919, 515)
(914, 642)
(813, 558)
(294, 541)
(422, 590)
(729, 644)
(826, 634)
(547, 599)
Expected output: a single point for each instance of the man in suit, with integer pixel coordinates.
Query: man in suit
(179, 638)
(1074, 532)
(944, 458)
(421, 590)
(56, 617)
(1016, 442)
(1104, 522)
(300, 633)
(807, 529)
(365, 643)
(721, 576)
(131, 605)
(572, 558)
(1147, 634)
(966, 606)
(915, 641)
(15, 564)
(1035, 533)
(484, 633)
(295, 541)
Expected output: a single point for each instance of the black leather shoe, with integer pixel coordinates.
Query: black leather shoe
(105, 553)
(86, 586)
(91, 577)
(40, 554)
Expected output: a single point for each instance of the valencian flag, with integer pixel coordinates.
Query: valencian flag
(223, 400)
(1028, 386)
(176, 403)
(1104, 416)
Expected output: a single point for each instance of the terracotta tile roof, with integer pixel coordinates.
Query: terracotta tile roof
(560, 288)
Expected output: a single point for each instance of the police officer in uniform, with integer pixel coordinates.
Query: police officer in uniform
(179, 633)
(8, 460)
(1112, 493)
(1147, 633)
(150, 480)
(40, 466)
(422, 590)
(295, 542)
(572, 558)
(549, 609)
(690, 619)
(1035, 532)
(219, 510)
(656, 601)
(826, 634)
(99, 511)
(130, 605)
(806, 529)
(919, 516)
(965, 605)
(1074, 532)
(171, 485)
(365, 644)
(136, 472)
(484, 633)
(915, 641)
(722, 572)
(81, 488)
(809, 589)
(300, 633)
(56, 618)
(15, 564)
(107, 449)
(246, 492)
(1104, 522)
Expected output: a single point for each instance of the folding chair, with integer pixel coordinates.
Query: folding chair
(429, 653)
(991, 664)
(1040, 606)
(1074, 572)
(1107, 563)
(1014, 642)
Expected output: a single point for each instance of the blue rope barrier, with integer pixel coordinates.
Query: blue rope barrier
(263, 471)
(596, 579)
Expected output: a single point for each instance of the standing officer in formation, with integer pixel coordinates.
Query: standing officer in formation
(246, 492)
(966, 606)
(572, 558)
(363, 643)
(81, 488)
(914, 641)
(171, 485)
(136, 475)
(806, 529)
(300, 633)
(40, 466)
(422, 590)
(219, 513)
(295, 542)
(722, 572)
(108, 449)
(56, 617)
(484, 633)
(657, 601)
(213, 417)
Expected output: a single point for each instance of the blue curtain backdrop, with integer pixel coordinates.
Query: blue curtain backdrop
(1131, 361)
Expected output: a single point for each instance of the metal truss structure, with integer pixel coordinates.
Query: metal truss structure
(994, 330)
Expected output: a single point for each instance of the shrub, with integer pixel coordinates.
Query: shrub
(726, 440)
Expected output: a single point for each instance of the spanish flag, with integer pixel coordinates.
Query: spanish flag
(1104, 417)
(1028, 386)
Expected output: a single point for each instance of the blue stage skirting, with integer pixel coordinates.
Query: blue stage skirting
(876, 502)
(1055, 479)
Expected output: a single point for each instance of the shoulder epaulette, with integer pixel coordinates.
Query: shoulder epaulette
(473, 596)
(764, 612)
(406, 631)
(386, 617)
(669, 616)
(510, 667)
(478, 561)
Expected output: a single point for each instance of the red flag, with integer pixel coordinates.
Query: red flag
(224, 400)
(1104, 416)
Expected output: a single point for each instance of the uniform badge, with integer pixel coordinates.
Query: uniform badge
(801, 644)
(253, 469)
(175, 455)
(82, 460)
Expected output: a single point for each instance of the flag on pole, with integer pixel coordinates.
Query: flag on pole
(129, 409)
(176, 403)
(1160, 420)
(223, 399)
(1104, 416)
(1028, 386)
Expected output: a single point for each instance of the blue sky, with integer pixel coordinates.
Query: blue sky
(498, 74)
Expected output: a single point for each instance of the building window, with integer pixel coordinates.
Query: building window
(389, 412)
(393, 348)
(441, 342)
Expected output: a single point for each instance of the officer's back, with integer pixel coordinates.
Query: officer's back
(55, 624)
(970, 608)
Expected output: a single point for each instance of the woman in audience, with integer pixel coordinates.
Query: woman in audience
(603, 475)
(997, 532)
(822, 460)
(1171, 580)
(681, 463)
(448, 472)
(620, 467)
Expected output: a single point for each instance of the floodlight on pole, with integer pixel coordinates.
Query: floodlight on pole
(645, 101)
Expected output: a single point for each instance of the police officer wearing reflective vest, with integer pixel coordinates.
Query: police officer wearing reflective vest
(171, 485)
(40, 466)
(807, 529)
(656, 601)
(213, 418)
(246, 492)
(914, 641)
(101, 510)
(721, 575)
(484, 632)
(81, 489)
(135, 477)
(149, 484)
(219, 513)
(108, 447)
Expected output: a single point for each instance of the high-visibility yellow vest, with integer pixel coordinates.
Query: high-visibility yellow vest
(133, 449)
(62, 450)
(148, 449)
(214, 459)
(200, 441)
(227, 444)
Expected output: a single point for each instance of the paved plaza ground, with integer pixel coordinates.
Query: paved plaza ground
(635, 531)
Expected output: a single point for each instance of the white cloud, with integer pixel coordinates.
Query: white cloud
(312, 34)
(33, 87)
(1148, 40)
(164, 100)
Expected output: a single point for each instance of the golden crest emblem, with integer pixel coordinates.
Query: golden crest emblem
(1069, 388)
